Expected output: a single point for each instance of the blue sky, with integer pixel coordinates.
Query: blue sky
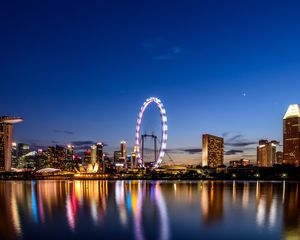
(78, 71)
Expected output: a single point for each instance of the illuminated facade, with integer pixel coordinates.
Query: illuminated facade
(266, 153)
(117, 156)
(212, 151)
(93, 154)
(70, 157)
(291, 136)
(6, 131)
(14, 155)
(123, 149)
(51, 155)
(99, 147)
(70, 152)
(87, 156)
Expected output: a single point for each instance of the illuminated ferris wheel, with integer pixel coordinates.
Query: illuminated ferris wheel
(164, 136)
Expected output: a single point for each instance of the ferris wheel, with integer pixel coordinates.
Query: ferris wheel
(164, 136)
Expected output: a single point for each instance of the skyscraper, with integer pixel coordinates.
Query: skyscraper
(87, 156)
(93, 154)
(123, 149)
(266, 153)
(14, 155)
(6, 131)
(70, 152)
(51, 156)
(70, 163)
(212, 150)
(291, 136)
(99, 152)
(60, 157)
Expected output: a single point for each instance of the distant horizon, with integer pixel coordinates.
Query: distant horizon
(195, 152)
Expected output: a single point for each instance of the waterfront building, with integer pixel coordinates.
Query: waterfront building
(123, 149)
(266, 153)
(133, 159)
(60, 157)
(93, 154)
(6, 132)
(70, 152)
(51, 155)
(291, 136)
(212, 151)
(87, 156)
(69, 165)
(14, 161)
(117, 156)
(99, 152)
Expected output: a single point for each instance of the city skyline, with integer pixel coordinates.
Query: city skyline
(79, 74)
(81, 147)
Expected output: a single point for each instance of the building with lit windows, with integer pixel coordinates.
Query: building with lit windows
(99, 147)
(123, 149)
(51, 155)
(6, 132)
(93, 154)
(291, 136)
(266, 153)
(14, 161)
(60, 157)
(70, 152)
(118, 156)
(87, 156)
(212, 151)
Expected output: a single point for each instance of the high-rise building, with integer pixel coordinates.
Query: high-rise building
(266, 153)
(51, 156)
(6, 131)
(117, 156)
(291, 136)
(87, 156)
(70, 152)
(133, 160)
(14, 161)
(123, 149)
(70, 157)
(60, 157)
(212, 151)
(93, 154)
(99, 146)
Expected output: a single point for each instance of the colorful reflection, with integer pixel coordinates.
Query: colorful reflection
(146, 209)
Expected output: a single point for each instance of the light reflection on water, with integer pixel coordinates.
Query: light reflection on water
(149, 210)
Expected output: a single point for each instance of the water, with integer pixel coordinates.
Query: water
(149, 210)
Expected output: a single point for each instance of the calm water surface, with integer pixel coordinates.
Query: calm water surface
(149, 210)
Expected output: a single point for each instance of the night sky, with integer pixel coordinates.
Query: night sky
(79, 72)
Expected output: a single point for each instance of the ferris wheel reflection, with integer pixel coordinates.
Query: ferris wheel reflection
(162, 209)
